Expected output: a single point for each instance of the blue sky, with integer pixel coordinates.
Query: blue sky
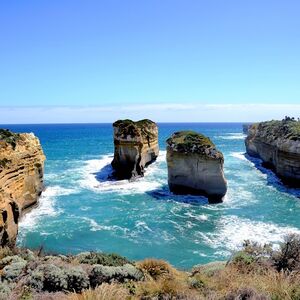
(77, 57)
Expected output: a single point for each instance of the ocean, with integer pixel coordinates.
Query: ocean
(80, 210)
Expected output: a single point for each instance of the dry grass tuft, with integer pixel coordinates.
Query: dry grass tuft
(103, 292)
(156, 268)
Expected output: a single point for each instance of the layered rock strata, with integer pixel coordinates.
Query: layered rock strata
(136, 146)
(21, 179)
(195, 166)
(277, 143)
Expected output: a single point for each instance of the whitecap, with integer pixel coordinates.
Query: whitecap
(232, 231)
(239, 155)
(95, 176)
(98, 227)
(233, 136)
(45, 206)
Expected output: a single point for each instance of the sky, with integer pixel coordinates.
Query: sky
(194, 60)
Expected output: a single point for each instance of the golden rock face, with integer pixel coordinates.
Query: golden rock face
(21, 181)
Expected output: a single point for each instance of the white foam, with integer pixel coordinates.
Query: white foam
(200, 217)
(233, 136)
(142, 226)
(140, 185)
(232, 231)
(98, 227)
(45, 207)
(239, 155)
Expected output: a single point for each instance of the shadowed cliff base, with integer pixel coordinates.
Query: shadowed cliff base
(272, 178)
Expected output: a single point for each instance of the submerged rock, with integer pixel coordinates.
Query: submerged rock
(21, 179)
(136, 146)
(277, 143)
(195, 166)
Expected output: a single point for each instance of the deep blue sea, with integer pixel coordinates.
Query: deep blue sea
(80, 210)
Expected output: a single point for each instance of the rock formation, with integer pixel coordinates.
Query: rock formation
(195, 166)
(21, 179)
(246, 128)
(277, 143)
(136, 146)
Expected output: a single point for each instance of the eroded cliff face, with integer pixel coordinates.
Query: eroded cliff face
(21, 179)
(136, 146)
(195, 166)
(277, 143)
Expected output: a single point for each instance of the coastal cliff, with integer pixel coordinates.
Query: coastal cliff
(277, 143)
(195, 166)
(21, 179)
(136, 146)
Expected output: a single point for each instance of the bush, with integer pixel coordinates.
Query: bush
(49, 278)
(196, 283)
(101, 274)
(155, 268)
(13, 266)
(288, 257)
(77, 279)
(4, 291)
(94, 258)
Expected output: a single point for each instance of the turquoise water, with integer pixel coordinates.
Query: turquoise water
(80, 210)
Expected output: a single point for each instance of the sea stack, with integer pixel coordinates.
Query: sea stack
(21, 180)
(195, 166)
(277, 144)
(136, 146)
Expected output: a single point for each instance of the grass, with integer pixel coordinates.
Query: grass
(287, 128)
(103, 292)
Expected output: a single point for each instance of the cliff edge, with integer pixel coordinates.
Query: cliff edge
(277, 143)
(21, 179)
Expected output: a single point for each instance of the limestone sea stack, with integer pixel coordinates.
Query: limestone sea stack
(277, 143)
(136, 146)
(195, 166)
(21, 180)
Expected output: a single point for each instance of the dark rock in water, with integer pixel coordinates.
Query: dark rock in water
(195, 166)
(277, 143)
(136, 146)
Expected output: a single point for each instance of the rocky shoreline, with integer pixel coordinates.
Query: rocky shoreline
(277, 143)
(21, 179)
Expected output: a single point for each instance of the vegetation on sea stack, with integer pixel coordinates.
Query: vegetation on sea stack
(129, 127)
(9, 137)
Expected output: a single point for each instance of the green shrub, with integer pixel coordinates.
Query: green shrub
(93, 258)
(77, 279)
(4, 291)
(243, 258)
(100, 274)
